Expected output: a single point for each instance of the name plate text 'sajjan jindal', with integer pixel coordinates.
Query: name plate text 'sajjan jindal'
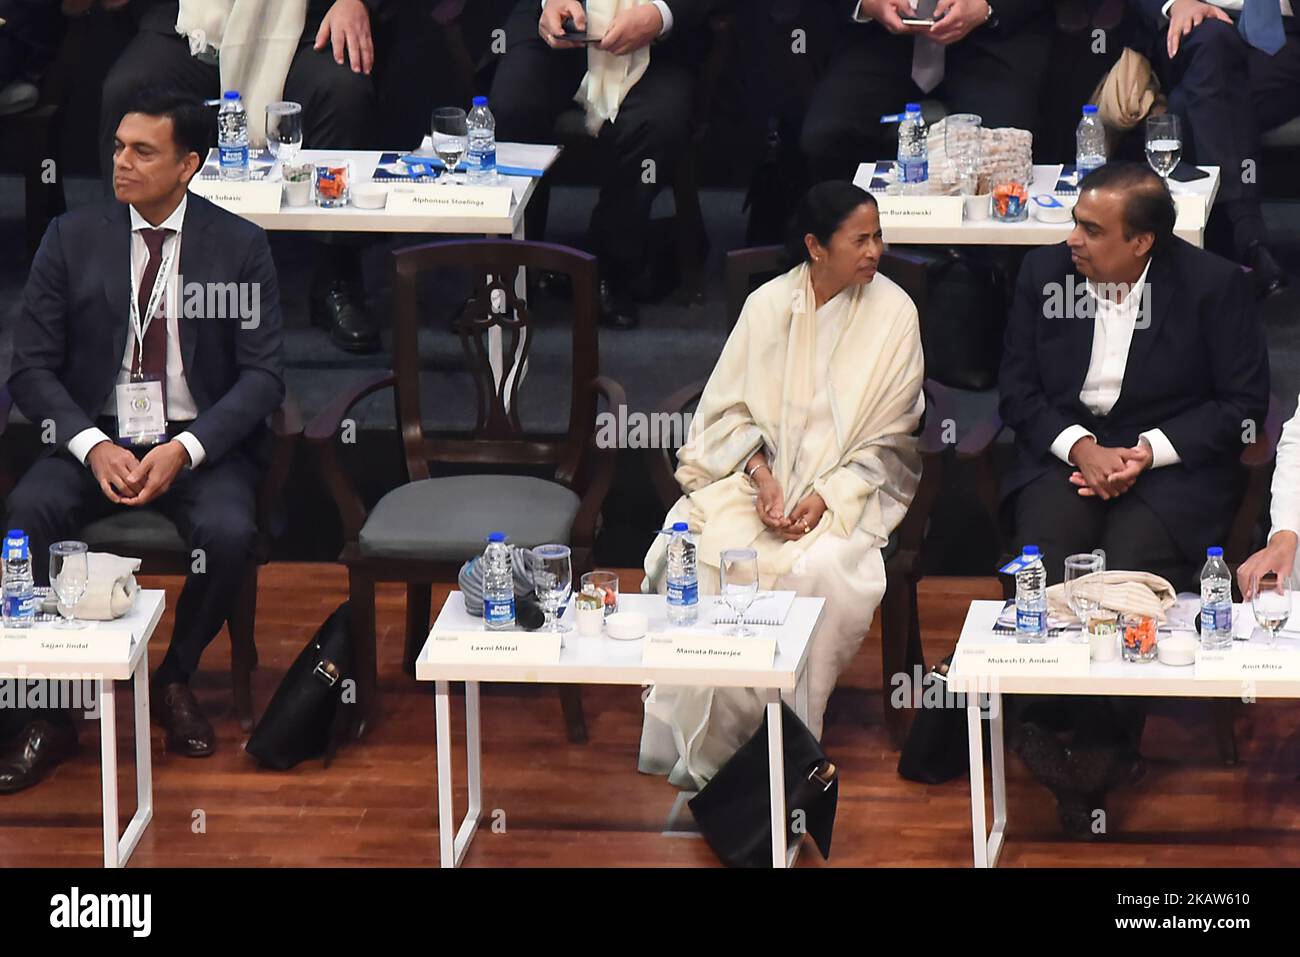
(1012, 659)
(436, 199)
(707, 650)
(493, 647)
(1242, 662)
(252, 196)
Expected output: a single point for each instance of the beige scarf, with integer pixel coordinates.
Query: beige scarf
(256, 39)
(609, 77)
(1127, 95)
(759, 394)
(1129, 593)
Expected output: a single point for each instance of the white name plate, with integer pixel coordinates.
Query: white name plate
(1242, 662)
(707, 650)
(433, 199)
(1190, 210)
(1013, 660)
(236, 197)
(493, 647)
(46, 643)
(944, 212)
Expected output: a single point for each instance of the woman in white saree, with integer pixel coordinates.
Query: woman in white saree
(802, 447)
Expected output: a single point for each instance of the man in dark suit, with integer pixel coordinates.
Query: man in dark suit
(987, 58)
(539, 78)
(1232, 71)
(1134, 370)
(81, 346)
(330, 75)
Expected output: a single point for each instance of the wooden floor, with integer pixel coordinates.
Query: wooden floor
(586, 805)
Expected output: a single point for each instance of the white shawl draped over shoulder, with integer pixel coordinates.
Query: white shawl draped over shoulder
(866, 468)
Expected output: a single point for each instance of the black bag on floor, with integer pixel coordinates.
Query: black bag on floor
(308, 716)
(734, 810)
(937, 748)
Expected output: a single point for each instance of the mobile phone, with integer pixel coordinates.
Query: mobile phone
(1186, 172)
(914, 22)
(574, 35)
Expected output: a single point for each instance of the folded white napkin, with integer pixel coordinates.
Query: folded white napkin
(110, 587)
(1129, 593)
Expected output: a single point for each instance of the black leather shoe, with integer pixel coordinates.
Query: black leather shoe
(617, 309)
(188, 731)
(554, 285)
(336, 307)
(39, 748)
(1266, 275)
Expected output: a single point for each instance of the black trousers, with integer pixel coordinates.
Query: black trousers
(337, 104)
(212, 506)
(639, 150)
(1228, 94)
(870, 75)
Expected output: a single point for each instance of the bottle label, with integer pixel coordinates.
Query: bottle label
(233, 156)
(1216, 618)
(20, 606)
(915, 171)
(683, 593)
(497, 611)
(1028, 620)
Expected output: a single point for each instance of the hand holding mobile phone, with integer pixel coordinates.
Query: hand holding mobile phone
(574, 35)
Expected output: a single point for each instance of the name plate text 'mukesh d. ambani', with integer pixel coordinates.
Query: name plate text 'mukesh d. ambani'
(687, 649)
(1012, 659)
(493, 648)
(435, 199)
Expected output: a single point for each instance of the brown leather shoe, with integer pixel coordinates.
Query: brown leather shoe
(188, 732)
(39, 748)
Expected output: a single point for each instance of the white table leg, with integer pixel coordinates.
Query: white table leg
(442, 711)
(978, 832)
(997, 757)
(776, 776)
(108, 767)
(453, 842)
(143, 767)
(474, 754)
(801, 695)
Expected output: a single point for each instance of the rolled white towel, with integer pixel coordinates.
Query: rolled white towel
(110, 587)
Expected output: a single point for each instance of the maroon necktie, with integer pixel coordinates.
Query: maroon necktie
(152, 359)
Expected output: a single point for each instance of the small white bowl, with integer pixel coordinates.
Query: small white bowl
(1177, 649)
(626, 625)
(369, 195)
(1052, 209)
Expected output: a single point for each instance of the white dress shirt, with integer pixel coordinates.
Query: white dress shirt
(180, 403)
(1285, 510)
(1232, 6)
(663, 12)
(1112, 335)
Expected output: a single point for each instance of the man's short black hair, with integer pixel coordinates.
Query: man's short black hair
(1148, 207)
(191, 121)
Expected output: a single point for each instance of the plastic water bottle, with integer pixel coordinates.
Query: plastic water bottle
(913, 151)
(232, 137)
(1031, 598)
(1216, 601)
(498, 584)
(1090, 142)
(482, 154)
(683, 581)
(18, 587)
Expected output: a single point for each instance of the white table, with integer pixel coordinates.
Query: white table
(1194, 201)
(1118, 677)
(23, 657)
(603, 660)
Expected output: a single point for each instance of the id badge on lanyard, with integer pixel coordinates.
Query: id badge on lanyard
(141, 402)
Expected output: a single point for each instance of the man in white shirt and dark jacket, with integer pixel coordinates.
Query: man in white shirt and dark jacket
(1134, 370)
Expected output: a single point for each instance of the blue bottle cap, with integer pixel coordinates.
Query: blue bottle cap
(230, 95)
(681, 527)
(1089, 109)
(913, 108)
(1029, 551)
(496, 536)
(1214, 551)
(480, 101)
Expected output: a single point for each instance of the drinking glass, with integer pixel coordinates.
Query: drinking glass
(1271, 602)
(739, 584)
(553, 578)
(450, 139)
(1085, 601)
(69, 575)
(961, 141)
(1164, 144)
(284, 130)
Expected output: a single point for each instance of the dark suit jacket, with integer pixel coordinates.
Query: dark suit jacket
(1009, 16)
(159, 16)
(1199, 372)
(72, 331)
(686, 41)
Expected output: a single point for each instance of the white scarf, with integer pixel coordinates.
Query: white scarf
(257, 40)
(609, 77)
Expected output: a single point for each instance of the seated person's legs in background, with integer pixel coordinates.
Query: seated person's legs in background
(1049, 512)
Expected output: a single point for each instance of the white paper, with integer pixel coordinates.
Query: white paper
(768, 608)
(519, 155)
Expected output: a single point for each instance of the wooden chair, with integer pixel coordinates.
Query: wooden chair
(422, 531)
(147, 534)
(976, 450)
(901, 650)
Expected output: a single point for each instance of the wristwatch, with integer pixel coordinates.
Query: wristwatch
(989, 19)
